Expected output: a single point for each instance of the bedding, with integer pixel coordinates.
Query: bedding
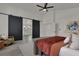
(55, 48)
(68, 52)
(75, 42)
(67, 40)
(45, 44)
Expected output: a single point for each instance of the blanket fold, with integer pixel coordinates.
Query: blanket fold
(45, 44)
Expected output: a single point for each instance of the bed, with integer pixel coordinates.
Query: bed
(45, 44)
(64, 51)
(55, 48)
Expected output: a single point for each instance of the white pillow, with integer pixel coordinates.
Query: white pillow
(4, 37)
(75, 42)
(66, 40)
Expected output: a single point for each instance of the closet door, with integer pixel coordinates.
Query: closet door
(35, 29)
(15, 27)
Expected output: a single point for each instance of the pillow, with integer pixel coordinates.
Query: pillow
(75, 42)
(67, 40)
(4, 37)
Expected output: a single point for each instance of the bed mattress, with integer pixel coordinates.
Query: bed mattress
(68, 52)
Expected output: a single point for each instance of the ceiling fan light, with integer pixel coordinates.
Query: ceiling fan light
(44, 10)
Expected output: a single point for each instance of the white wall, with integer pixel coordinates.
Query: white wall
(62, 17)
(65, 16)
(3, 25)
(47, 27)
(13, 11)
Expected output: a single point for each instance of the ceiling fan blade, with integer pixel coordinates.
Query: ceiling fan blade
(50, 7)
(45, 5)
(40, 9)
(39, 6)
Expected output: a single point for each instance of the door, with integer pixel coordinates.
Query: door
(15, 27)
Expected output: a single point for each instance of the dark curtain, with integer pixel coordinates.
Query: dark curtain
(35, 29)
(15, 27)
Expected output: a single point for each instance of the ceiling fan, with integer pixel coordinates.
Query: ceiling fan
(45, 7)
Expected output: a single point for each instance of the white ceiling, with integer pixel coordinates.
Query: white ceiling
(32, 6)
(62, 6)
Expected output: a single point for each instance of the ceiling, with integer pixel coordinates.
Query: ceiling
(32, 6)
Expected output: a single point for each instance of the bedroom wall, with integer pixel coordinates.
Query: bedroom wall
(62, 17)
(47, 27)
(65, 16)
(13, 11)
(3, 25)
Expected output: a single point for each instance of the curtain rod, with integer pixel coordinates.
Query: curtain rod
(17, 16)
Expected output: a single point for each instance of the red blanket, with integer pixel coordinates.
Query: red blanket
(45, 44)
(55, 48)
